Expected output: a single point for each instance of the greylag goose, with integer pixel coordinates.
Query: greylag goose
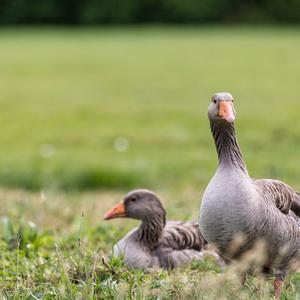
(234, 204)
(156, 243)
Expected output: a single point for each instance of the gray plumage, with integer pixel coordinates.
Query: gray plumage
(234, 204)
(157, 243)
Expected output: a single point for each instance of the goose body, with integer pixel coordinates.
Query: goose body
(172, 250)
(156, 243)
(236, 205)
(243, 207)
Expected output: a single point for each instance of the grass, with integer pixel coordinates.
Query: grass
(88, 114)
(65, 254)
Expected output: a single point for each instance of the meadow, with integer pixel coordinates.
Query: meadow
(88, 114)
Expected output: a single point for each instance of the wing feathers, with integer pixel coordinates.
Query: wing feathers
(180, 244)
(180, 235)
(282, 195)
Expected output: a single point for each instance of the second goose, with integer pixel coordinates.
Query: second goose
(156, 243)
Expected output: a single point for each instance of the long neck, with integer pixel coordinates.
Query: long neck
(229, 152)
(151, 230)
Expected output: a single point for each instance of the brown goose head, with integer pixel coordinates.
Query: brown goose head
(138, 204)
(221, 108)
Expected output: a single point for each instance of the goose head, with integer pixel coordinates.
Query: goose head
(137, 204)
(221, 108)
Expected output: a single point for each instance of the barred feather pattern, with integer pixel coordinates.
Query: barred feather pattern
(283, 196)
(182, 235)
(174, 244)
(181, 243)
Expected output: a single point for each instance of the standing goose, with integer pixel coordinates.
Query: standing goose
(156, 243)
(234, 204)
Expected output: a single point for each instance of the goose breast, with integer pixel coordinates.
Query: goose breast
(225, 209)
(135, 255)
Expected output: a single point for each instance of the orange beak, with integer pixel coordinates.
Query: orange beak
(118, 211)
(226, 111)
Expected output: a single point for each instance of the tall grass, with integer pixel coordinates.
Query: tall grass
(69, 268)
(56, 246)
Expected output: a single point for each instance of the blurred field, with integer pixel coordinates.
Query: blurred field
(113, 109)
(119, 108)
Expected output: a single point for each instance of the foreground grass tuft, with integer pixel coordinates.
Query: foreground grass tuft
(39, 260)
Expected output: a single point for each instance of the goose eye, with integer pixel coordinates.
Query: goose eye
(133, 199)
(215, 101)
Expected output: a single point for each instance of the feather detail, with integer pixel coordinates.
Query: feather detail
(282, 195)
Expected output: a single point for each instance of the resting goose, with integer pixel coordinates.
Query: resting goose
(234, 204)
(156, 243)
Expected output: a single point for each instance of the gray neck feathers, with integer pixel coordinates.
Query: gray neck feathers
(229, 152)
(151, 229)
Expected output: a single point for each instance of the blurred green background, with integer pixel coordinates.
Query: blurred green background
(117, 107)
(126, 107)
